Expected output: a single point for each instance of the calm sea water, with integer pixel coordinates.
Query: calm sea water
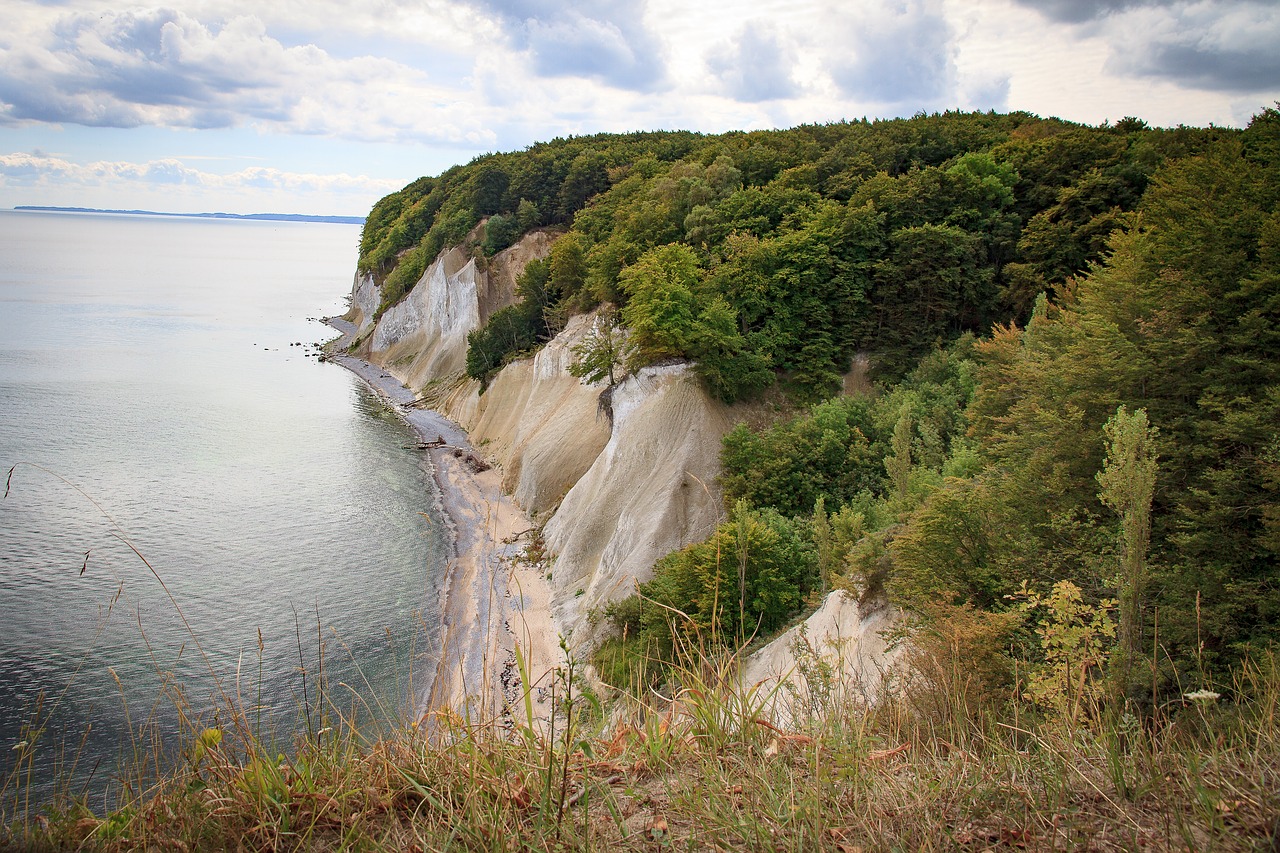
(146, 367)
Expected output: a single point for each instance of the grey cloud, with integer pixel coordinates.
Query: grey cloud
(1224, 47)
(1236, 71)
(108, 70)
(902, 55)
(755, 67)
(1079, 11)
(1217, 45)
(604, 40)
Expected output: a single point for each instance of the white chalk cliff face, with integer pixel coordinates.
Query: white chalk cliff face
(616, 497)
(651, 490)
(845, 637)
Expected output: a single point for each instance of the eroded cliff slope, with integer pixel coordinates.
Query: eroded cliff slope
(615, 494)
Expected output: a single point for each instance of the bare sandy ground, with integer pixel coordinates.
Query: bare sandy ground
(493, 602)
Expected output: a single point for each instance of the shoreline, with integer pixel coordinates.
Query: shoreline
(492, 600)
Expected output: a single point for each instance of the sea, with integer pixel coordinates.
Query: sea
(199, 514)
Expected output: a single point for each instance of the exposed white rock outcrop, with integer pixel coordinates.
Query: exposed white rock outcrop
(365, 298)
(650, 491)
(425, 334)
(423, 338)
(837, 655)
(616, 496)
(541, 424)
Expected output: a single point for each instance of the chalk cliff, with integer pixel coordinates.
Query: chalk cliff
(614, 494)
(838, 654)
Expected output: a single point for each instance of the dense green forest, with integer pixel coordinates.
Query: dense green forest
(1075, 334)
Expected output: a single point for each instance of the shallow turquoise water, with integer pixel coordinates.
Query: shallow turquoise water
(148, 361)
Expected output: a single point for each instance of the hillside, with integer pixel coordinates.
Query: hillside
(1015, 284)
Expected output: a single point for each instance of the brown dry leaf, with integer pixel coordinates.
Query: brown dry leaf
(619, 742)
(881, 754)
(1015, 837)
(519, 796)
(840, 835)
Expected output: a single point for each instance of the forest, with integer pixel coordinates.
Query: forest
(1071, 459)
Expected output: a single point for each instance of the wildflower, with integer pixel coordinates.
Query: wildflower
(1201, 696)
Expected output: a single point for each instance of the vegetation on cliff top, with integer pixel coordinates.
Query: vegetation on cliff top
(799, 247)
(1004, 466)
(1050, 275)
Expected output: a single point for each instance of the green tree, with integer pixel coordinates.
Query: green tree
(823, 454)
(722, 358)
(599, 355)
(660, 309)
(568, 272)
(1126, 484)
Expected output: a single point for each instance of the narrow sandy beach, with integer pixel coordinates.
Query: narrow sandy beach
(492, 601)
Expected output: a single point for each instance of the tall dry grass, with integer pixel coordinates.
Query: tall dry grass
(947, 757)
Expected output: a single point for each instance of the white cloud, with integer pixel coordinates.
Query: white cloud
(159, 67)
(1227, 47)
(437, 79)
(756, 65)
(171, 182)
(898, 53)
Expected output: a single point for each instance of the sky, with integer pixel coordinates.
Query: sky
(324, 106)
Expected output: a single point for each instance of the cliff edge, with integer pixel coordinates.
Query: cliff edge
(613, 490)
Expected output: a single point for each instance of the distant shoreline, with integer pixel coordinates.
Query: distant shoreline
(268, 217)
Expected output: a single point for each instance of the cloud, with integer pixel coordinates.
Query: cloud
(1078, 11)
(1224, 47)
(902, 54)
(755, 66)
(606, 40)
(160, 67)
(41, 170)
(1213, 45)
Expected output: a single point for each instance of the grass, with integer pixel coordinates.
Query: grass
(707, 771)
(937, 762)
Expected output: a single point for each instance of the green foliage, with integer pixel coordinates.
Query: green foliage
(568, 271)
(825, 454)
(731, 370)
(1126, 484)
(598, 356)
(500, 232)
(750, 577)
(957, 547)
(932, 284)
(1178, 322)
(1076, 639)
(660, 309)
(513, 330)
(882, 237)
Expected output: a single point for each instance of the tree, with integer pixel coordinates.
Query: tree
(599, 354)
(1126, 483)
(660, 310)
(568, 272)
(527, 215)
(898, 466)
(731, 370)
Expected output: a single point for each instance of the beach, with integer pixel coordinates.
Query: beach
(493, 601)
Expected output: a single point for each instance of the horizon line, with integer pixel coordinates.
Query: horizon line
(275, 217)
